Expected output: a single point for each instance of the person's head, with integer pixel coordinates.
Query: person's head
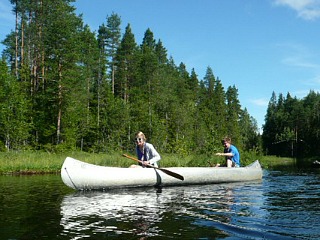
(226, 142)
(140, 138)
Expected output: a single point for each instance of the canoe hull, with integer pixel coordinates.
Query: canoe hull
(84, 176)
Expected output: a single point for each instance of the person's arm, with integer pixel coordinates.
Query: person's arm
(154, 155)
(229, 154)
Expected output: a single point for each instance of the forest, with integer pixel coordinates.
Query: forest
(292, 126)
(66, 87)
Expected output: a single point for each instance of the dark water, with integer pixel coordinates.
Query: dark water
(284, 205)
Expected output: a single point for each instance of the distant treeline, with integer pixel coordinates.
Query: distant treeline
(292, 126)
(65, 87)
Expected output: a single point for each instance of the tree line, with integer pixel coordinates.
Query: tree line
(65, 87)
(292, 126)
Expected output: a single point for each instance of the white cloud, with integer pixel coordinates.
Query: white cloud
(299, 56)
(313, 82)
(300, 93)
(306, 9)
(299, 62)
(260, 102)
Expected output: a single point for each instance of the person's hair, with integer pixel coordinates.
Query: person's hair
(141, 135)
(226, 139)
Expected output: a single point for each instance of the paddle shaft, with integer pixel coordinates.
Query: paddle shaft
(172, 174)
(137, 160)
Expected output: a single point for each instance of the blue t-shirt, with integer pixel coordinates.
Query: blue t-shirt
(235, 153)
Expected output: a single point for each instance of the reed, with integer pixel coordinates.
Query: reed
(32, 162)
(43, 162)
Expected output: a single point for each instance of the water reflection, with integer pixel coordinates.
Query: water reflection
(114, 212)
(178, 211)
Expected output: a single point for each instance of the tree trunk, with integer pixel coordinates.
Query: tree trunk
(16, 47)
(59, 105)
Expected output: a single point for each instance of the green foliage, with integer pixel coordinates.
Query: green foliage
(14, 127)
(292, 126)
(73, 90)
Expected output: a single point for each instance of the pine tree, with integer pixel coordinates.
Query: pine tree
(113, 35)
(161, 53)
(126, 65)
(233, 115)
(220, 110)
(249, 132)
(209, 135)
(87, 115)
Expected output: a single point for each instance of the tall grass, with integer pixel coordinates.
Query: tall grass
(269, 162)
(44, 162)
(30, 162)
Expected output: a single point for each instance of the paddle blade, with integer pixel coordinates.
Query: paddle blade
(172, 174)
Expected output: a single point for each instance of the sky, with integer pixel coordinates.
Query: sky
(260, 47)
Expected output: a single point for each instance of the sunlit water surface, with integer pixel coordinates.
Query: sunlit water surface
(284, 205)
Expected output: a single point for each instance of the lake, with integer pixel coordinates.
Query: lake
(284, 205)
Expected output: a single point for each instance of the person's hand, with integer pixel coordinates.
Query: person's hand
(218, 154)
(145, 162)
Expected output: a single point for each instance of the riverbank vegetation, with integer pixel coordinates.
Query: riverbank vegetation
(47, 163)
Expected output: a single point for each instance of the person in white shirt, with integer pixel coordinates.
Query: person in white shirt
(145, 152)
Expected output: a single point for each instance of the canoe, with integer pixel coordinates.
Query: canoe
(85, 176)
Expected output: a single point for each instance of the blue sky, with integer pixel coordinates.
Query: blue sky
(258, 46)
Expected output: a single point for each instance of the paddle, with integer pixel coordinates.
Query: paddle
(172, 174)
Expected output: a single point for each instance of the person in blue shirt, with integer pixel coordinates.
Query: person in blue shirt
(145, 151)
(231, 153)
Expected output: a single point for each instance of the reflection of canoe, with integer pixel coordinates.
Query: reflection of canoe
(145, 212)
(84, 176)
(123, 206)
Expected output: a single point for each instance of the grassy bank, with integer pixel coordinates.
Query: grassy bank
(270, 162)
(43, 162)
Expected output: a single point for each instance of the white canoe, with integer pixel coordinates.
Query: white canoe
(84, 176)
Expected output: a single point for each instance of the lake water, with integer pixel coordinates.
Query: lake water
(284, 205)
